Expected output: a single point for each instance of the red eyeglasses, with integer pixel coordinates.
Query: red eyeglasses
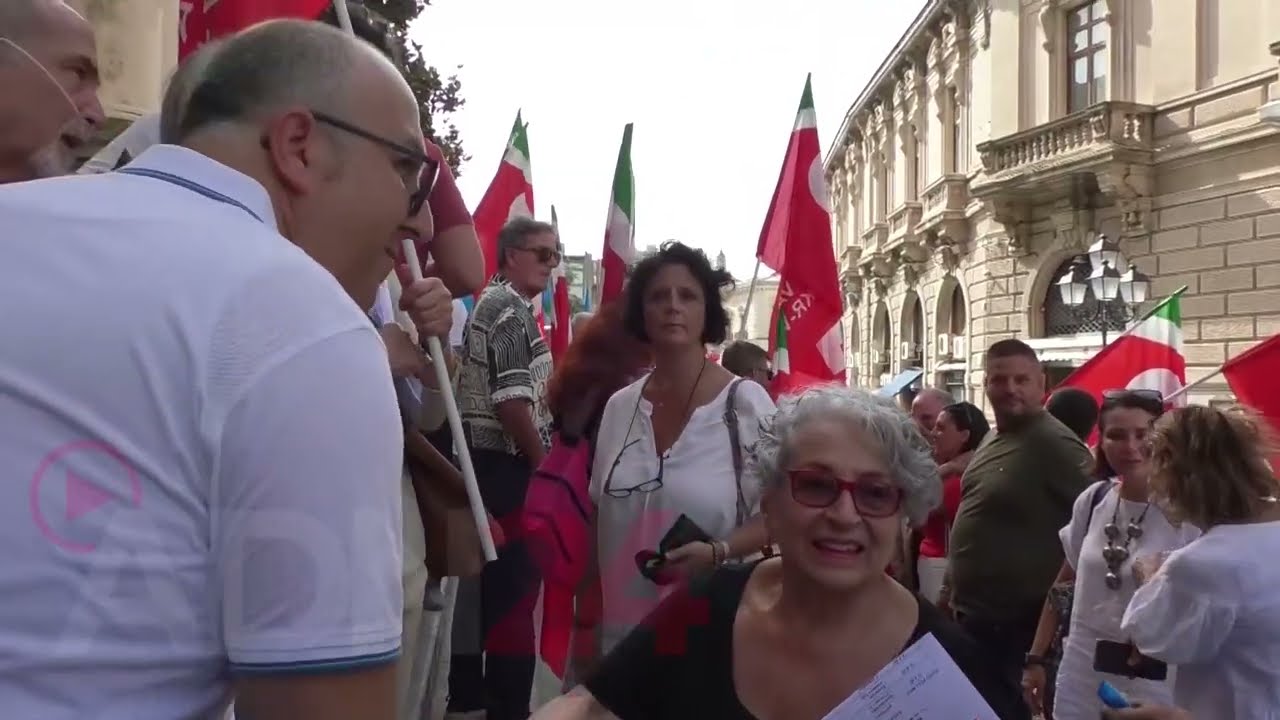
(872, 498)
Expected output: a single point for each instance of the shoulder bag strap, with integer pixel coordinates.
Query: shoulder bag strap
(1098, 494)
(735, 446)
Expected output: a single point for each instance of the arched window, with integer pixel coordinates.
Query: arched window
(959, 318)
(913, 332)
(881, 340)
(1060, 319)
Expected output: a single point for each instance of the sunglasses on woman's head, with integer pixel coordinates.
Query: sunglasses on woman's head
(873, 496)
(1139, 393)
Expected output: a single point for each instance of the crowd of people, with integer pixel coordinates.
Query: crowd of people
(214, 363)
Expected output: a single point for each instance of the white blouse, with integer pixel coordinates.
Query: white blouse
(1213, 609)
(698, 481)
(1097, 609)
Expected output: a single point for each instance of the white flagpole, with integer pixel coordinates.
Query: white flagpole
(1192, 386)
(442, 376)
(751, 291)
(478, 513)
(344, 16)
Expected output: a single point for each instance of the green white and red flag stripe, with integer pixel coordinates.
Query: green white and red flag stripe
(806, 339)
(558, 292)
(510, 195)
(1148, 356)
(620, 226)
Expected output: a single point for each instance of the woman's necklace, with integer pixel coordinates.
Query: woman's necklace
(688, 403)
(657, 402)
(1115, 554)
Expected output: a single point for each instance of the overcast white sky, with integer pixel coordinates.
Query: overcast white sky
(711, 85)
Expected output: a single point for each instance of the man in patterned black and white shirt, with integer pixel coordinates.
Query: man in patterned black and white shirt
(502, 395)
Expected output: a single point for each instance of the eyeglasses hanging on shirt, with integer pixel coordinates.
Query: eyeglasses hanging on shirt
(647, 486)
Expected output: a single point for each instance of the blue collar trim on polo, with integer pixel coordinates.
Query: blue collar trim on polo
(192, 171)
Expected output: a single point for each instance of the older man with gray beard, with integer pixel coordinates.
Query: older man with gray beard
(49, 72)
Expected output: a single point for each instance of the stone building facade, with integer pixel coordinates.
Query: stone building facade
(1000, 137)
(750, 310)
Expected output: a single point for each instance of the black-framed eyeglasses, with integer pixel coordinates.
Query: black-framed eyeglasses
(428, 171)
(821, 489)
(543, 255)
(647, 486)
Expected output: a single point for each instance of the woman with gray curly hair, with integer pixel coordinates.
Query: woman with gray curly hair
(790, 637)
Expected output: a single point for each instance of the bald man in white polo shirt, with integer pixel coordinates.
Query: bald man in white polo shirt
(201, 437)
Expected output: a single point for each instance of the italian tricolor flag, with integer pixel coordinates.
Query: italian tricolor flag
(781, 356)
(510, 195)
(620, 227)
(1148, 356)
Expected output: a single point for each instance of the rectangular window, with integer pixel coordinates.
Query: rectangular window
(953, 381)
(882, 193)
(1087, 57)
(953, 123)
(917, 162)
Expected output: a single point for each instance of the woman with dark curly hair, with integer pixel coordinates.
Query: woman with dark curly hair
(670, 445)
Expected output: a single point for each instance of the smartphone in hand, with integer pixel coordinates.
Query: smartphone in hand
(1123, 659)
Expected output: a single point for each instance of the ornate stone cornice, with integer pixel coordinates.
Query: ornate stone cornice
(1016, 220)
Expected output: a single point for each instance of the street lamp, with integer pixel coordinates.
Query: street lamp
(1135, 286)
(1073, 283)
(1104, 281)
(1104, 252)
(1097, 272)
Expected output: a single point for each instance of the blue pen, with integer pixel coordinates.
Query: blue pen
(1111, 697)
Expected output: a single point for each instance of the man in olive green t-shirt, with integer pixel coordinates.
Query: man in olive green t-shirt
(1016, 494)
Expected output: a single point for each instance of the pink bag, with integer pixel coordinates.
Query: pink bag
(558, 512)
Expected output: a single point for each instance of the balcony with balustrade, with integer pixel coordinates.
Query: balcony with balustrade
(1112, 140)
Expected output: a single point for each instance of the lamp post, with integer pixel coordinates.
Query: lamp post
(1098, 272)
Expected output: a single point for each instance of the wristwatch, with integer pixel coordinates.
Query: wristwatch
(1033, 660)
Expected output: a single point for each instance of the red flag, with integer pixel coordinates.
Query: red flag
(200, 21)
(510, 195)
(805, 335)
(1254, 379)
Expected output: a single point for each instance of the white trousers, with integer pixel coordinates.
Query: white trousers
(412, 668)
(931, 571)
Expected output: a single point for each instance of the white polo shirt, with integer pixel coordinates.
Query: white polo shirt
(200, 445)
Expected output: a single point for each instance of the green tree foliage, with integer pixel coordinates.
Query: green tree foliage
(439, 95)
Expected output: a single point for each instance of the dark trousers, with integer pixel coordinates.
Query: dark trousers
(1005, 643)
(501, 681)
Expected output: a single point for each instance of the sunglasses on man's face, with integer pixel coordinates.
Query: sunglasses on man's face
(545, 256)
(873, 497)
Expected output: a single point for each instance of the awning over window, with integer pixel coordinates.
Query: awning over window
(900, 382)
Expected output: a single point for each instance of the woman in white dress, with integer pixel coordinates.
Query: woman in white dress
(1112, 522)
(1212, 607)
(666, 447)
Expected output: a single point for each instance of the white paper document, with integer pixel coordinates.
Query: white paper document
(923, 683)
